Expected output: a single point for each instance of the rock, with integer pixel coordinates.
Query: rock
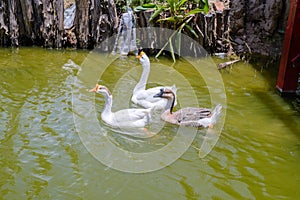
(259, 22)
(238, 25)
(239, 12)
(272, 12)
(239, 41)
(257, 13)
(240, 48)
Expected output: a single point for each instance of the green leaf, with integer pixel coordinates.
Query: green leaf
(157, 13)
(178, 41)
(172, 50)
(158, 54)
(148, 5)
(171, 5)
(181, 26)
(180, 3)
(169, 19)
(185, 23)
(195, 11)
(140, 8)
(192, 30)
(206, 6)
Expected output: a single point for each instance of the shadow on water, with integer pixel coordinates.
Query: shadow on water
(273, 100)
(282, 108)
(279, 110)
(269, 70)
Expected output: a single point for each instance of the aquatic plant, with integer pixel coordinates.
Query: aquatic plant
(179, 16)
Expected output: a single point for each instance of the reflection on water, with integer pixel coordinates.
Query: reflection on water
(42, 157)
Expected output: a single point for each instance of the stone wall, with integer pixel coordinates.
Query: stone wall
(257, 26)
(247, 26)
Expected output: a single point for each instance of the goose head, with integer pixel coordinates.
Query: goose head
(101, 89)
(168, 94)
(143, 58)
(165, 93)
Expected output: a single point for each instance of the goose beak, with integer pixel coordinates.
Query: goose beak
(140, 55)
(94, 89)
(159, 94)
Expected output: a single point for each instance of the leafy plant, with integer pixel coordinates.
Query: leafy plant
(179, 18)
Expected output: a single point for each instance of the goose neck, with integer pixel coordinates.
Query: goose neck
(170, 104)
(107, 105)
(141, 85)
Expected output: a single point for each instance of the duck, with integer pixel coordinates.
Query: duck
(131, 118)
(143, 97)
(189, 116)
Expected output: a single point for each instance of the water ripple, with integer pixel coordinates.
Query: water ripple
(42, 157)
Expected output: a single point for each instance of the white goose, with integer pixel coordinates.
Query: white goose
(190, 116)
(144, 97)
(121, 118)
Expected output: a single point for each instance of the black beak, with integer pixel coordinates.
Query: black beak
(159, 94)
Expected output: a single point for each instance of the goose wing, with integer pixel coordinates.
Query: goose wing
(148, 94)
(190, 114)
(145, 97)
(132, 117)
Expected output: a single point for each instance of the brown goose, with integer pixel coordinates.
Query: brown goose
(190, 116)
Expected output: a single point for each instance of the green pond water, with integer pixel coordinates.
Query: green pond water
(47, 117)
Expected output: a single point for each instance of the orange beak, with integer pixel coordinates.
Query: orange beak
(95, 88)
(139, 56)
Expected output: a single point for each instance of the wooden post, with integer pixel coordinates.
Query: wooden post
(201, 24)
(209, 32)
(289, 70)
